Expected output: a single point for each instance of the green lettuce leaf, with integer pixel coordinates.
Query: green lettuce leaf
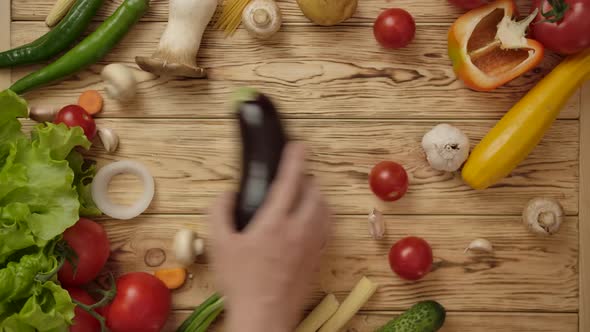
(84, 171)
(49, 309)
(18, 277)
(44, 186)
(13, 107)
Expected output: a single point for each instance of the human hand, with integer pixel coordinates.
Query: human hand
(265, 272)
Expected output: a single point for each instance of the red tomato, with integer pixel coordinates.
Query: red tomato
(411, 258)
(394, 28)
(91, 244)
(389, 181)
(570, 33)
(76, 116)
(142, 304)
(83, 321)
(469, 4)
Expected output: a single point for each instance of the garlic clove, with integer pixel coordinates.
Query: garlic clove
(109, 139)
(481, 245)
(199, 246)
(376, 224)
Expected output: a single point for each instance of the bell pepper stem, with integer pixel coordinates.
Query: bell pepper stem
(512, 33)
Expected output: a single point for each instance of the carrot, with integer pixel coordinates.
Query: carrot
(91, 101)
(172, 278)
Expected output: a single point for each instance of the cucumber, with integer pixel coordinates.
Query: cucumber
(426, 316)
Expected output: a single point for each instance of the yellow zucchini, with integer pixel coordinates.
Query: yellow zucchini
(522, 128)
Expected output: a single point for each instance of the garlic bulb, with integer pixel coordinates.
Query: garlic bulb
(543, 216)
(376, 224)
(446, 147)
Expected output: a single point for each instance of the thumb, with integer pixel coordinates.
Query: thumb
(221, 216)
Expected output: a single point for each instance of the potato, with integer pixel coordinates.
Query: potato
(327, 12)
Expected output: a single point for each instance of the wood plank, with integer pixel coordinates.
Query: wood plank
(368, 10)
(5, 28)
(195, 160)
(455, 321)
(585, 211)
(341, 74)
(525, 273)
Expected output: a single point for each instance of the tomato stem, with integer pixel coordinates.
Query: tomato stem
(107, 297)
(557, 12)
(64, 253)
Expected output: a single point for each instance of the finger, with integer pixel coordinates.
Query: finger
(286, 187)
(312, 212)
(221, 216)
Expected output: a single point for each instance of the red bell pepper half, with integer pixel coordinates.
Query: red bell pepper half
(488, 47)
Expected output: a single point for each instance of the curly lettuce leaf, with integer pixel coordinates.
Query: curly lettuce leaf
(12, 107)
(48, 193)
(18, 278)
(49, 309)
(84, 171)
(43, 188)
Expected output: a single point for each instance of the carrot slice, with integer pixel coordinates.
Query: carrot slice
(91, 101)
(172, 278)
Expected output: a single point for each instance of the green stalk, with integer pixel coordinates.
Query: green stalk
(205, 325)
(188, 323)
(197, 324)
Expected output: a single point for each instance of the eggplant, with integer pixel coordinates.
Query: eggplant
(263, 141)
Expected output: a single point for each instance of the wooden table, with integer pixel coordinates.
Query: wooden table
(354, 104)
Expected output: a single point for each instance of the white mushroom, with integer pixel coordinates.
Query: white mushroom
(262, 18)
(177, 52)
(109, 139)
(482, 245)
(121, 81)
(543, 216)
(187, 246)
(446, 147)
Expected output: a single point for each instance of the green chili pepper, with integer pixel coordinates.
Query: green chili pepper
(56, 40)
(90, 50)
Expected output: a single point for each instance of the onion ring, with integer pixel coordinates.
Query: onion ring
(103, 178)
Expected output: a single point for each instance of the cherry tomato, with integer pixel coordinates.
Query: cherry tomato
(570, 33)
(83, 321)
(76, 116)
(411, 258)
(389, 181)
(142, 304)
(394, 28)
(469, 4)
(90, 242)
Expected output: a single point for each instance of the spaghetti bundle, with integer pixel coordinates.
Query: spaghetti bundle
(231, 16)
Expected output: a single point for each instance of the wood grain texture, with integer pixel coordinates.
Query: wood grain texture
(585, 211)
(309, 73)
(195, 160)
(455, 321)
(368, 10)
(531, 274)
(5, 36)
